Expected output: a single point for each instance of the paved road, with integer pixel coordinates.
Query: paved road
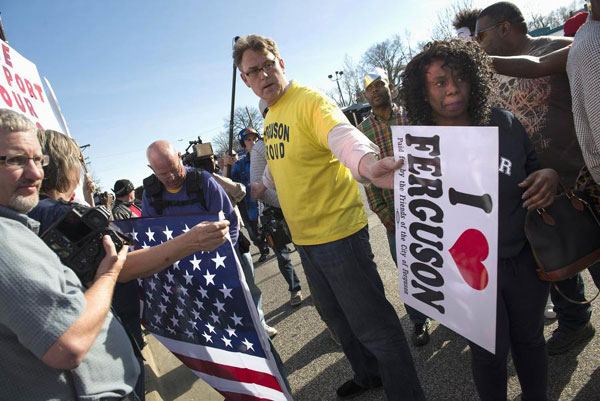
(316, 366)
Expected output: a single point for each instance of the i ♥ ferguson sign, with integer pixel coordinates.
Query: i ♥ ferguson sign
(21, 89)
(446, 200)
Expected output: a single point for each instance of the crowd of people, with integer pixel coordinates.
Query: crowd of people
(296, 187)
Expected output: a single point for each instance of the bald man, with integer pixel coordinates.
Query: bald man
(175, 189)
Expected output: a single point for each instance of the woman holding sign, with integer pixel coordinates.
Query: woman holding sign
(449, 84)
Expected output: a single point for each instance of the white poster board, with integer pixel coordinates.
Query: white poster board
(21, 89)
(446, 200)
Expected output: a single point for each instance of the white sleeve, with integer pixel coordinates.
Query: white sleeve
(267, 178)
(350, 145)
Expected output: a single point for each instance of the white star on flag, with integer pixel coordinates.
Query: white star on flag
(152, 284)
(188, 277)
(210, 328)
(226, 292)
(236, 320)
(134, 235)
(207, 337)
(179, 310)
(219, 260)
(190, 334)
(150, 235)
(175, 321)
(248, 344)
(209, 278)
(196, 263)
(214, 317)
(227, 342)
(199, 304)
(162, 307)
(220, 306)
(176, 265)
(186, 229)
(168, 233)
(144, 246)
(203, 292)
(230, 331)
(170, 277)
(196, 314)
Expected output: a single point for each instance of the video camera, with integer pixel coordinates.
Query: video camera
(76, 237)
(201, 156)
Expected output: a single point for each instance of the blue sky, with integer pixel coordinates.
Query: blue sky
(127, 73)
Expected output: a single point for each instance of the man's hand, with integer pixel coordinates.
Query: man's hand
(257, 189)
(207, 236)
(379, 172)
(541, 188)
(112, 263)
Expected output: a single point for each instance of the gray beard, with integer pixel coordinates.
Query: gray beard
(23, 204)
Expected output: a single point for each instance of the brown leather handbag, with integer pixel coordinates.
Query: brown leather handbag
(565, 237)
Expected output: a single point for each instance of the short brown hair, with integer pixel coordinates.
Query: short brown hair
(254, 42)
(65, 161)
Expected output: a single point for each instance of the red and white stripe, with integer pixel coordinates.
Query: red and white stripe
(238, 376)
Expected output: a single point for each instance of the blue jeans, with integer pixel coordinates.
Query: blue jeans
(573, 316)
(414, 315)
(287, 268)
(248, 269)
(351, 296)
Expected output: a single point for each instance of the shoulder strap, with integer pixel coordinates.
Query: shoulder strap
(194, 187)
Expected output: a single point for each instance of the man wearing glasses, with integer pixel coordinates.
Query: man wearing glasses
(58, 339)
(314, 157)
(543, 106)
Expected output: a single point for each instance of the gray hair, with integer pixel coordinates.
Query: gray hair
(11, 121)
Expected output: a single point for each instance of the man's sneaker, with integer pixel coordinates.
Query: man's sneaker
(271, 331)
(421, 334)
(296, 298)
(549, 311)
(351, 389)
(564, 339)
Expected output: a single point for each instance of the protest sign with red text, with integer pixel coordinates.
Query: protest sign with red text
(21, 89)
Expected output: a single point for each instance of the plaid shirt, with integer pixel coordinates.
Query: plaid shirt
(378, 130)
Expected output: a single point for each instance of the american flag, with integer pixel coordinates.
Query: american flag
(200, 308)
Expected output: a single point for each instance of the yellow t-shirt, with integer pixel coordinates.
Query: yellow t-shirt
(318, 196)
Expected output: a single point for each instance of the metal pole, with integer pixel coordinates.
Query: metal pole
(227, 168)
(337, 81)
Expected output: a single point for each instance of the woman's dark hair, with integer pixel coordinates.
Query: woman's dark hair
(463, 56)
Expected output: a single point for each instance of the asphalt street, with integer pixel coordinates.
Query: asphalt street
(316, 365)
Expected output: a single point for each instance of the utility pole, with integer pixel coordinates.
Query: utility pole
(338, 76)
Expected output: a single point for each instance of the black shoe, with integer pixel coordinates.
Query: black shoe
(351, 389)
(421, 334)
(263, 257)
(564, 339)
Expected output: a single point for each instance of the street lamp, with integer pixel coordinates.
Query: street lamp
(338, 76)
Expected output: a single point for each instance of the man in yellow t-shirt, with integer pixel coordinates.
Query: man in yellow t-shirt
(314, 158)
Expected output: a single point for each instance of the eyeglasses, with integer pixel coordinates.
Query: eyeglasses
(20, 161)
(267, 68)
(489, 28)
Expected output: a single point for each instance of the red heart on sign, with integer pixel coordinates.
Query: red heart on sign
(469, 250)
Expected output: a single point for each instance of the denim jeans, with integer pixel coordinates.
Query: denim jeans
(573, 316)
(350, 292)
(414, 315)
(287, 268)
(248, 269)
(520, 307)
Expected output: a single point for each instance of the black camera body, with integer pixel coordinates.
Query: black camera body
(275, 229)
(76, 237)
